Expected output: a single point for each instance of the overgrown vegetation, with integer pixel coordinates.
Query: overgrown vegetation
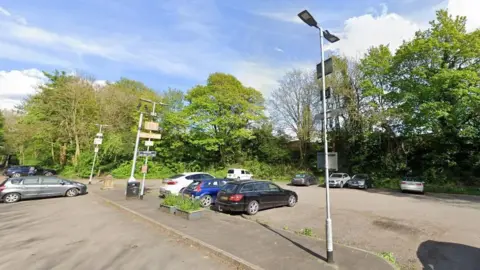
(389, 257)
(182, 203)
(416, 109)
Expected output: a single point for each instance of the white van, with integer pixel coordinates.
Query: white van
(239, 174)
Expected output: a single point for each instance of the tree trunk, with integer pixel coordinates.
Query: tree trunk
(52, 151)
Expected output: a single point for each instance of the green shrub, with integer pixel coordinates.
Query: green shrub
(188, 205)
(170, 200)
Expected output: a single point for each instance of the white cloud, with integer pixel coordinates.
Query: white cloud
(5, 12)
(468, 8)
(16, 85)
(361, 33)
(278, 49)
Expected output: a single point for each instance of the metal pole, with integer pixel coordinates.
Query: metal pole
(94, 158)
(327, 188)
(132, 173)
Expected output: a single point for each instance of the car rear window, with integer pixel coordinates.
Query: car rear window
(336, 175)
(230, 171)
(193, 185)
(230, 188)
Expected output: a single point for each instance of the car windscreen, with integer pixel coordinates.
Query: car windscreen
(338, 175)
(229, 188)
(230, 172)
(300, 175)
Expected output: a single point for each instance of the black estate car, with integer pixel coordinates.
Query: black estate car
(252, 195)
(23, 170)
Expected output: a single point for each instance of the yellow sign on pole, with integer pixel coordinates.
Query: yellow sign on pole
(151, 126)
(154, 136)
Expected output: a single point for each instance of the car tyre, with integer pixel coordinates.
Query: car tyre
(292, 201)
(11, 197)
(16, 175)
(206, 201)
(71, 192)
(252, 208)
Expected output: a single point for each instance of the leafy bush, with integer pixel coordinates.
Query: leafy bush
(187, 204)
(170, 200)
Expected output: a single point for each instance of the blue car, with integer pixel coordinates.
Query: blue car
(205, 190)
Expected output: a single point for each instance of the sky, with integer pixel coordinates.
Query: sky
(178, 43)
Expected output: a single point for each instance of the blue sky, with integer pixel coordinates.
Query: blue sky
(177, 43)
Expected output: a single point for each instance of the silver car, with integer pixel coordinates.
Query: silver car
(338, 179)
(15, 189)
(412, 184)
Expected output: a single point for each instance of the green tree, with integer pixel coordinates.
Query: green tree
(221, 115)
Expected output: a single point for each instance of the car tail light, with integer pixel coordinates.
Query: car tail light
(403, 182)
(171, 182)
(198, 188)
(236, 198)
(2, 188)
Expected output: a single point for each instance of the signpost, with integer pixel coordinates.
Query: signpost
(148, 143)
(332, 160)
(154, 136)
(97, 141)
(147, 153)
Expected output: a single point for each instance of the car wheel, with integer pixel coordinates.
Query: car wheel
(16, 175)
(48, 174)
(11, 198)
(206, 201)
(71, 192)
(292, 200)
(252, 208)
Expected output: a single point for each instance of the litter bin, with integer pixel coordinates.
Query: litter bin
(133, 190)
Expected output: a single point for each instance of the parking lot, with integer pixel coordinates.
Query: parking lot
(413, 227)
(84, 233)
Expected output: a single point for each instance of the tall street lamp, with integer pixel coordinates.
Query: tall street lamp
(307, 18)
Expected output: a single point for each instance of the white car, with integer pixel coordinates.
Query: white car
(239, 174)
(338, 180)
(174, 184)
(412, 184)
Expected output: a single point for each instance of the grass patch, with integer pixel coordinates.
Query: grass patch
(389, 257)
(306, 232)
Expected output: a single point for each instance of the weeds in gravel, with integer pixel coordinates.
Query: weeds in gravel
(306, 232)
(285, 228)
(388, 256)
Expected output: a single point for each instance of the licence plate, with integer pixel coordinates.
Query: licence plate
(224, 198)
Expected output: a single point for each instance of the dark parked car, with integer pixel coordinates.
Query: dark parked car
(15, 189)
(304, 179)
(24, 170)
(250, 196)
(205, 190)
(360, 181)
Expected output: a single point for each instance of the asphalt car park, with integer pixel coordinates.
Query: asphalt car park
(83, 233)
(412, 227)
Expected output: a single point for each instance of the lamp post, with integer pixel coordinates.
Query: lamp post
(97, 142)
(307, 18)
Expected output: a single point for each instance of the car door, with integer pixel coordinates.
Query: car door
(31, 188)
(266, 196)
(52, 186)
(278, 194)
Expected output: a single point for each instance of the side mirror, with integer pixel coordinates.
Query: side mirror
(62, 183)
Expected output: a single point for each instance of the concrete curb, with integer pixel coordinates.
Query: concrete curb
(235, 261)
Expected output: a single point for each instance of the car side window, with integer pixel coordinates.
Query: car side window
(247, 172)
(30, 181)
(247, 188)
(222, 183)
(261, 186)
(243, 172)
(16, 181)
(273, 187)
(194, 177)
(50, 181)
(207, 176)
